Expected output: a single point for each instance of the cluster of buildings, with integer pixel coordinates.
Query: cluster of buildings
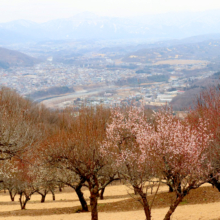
(41, 77)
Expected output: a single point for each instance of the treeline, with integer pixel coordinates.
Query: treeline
(130, 66)
(159, 78)
(41, 150)
(149, 70)
(134, 81)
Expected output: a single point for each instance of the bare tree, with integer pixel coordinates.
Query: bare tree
(19, 131)
(78, 149)
(207, 107)
(9, 177)
(24, 183)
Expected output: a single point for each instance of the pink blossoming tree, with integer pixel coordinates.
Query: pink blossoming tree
(181, 154)
(124, 134)
(171, 149)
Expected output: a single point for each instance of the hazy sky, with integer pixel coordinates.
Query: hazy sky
(44, 10)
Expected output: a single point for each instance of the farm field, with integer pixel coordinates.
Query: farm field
(201, 204)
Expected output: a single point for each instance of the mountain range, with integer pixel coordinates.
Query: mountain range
(90, 26)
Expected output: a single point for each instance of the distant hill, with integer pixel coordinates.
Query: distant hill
(206, 50)
(186, 100)
(10, 58)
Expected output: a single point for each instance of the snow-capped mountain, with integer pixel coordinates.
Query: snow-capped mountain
(90, 26)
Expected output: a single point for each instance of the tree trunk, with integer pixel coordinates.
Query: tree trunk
(12, 196)
(170, 188)
(94, 203)
(53, 195)
(135, 191)
(179, 188)
(43, 195)
(144, 202)
(102, 193)
(81, 198)
(215, 183)
(173, 207)
(94, 194)
(43, 198)
(60, 187)
(23, 203)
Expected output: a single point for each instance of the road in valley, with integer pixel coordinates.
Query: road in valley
(50, 102)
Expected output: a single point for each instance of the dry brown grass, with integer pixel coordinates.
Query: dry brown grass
(203, 195)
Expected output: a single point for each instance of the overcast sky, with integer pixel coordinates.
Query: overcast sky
(44, 10)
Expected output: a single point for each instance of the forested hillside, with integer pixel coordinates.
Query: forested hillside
(10, 58)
